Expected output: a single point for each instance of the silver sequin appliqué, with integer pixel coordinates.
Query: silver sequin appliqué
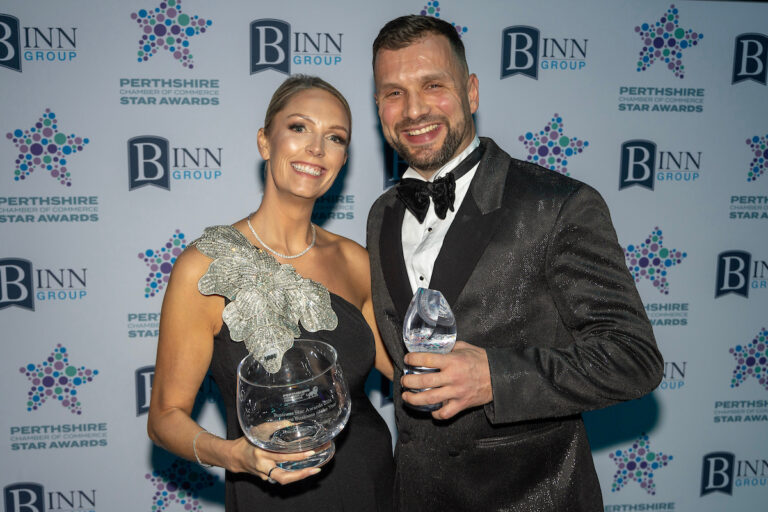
(267, 299)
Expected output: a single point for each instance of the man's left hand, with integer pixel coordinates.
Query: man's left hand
(464, 380)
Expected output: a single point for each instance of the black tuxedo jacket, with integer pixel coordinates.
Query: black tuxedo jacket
(534, 274)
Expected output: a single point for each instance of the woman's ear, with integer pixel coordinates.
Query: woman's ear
(263, 143)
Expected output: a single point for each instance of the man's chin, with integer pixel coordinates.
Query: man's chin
(424, 160)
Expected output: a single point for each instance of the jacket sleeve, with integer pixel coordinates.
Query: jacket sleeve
(611, 355)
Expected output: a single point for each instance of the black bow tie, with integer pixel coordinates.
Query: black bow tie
(415, 193)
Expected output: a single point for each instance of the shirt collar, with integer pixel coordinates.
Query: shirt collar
(451, 165)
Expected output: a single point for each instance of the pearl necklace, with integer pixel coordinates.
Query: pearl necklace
(280, 255)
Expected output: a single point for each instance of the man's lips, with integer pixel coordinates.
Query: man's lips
(422, 134)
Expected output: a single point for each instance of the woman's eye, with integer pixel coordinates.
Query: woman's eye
(338, 139)
(298, 128)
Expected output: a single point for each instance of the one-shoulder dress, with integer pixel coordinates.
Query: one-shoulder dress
(360, 475)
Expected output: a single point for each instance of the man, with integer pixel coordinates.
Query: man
(529, 262)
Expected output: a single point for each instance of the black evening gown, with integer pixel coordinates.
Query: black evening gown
(360, 476)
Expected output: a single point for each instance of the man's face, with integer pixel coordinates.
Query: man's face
(425, 102)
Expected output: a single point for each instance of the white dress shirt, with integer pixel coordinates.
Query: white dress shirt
(422, 242)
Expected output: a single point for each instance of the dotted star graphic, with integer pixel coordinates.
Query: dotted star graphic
(551, 148)
(179, 483)
(638, 463)
(44, 147)
(160, 262)
(758, 165)
(751, 360)
(433, 9)
(166, 27)
(665, 40)
(56, 379)
(650, 260)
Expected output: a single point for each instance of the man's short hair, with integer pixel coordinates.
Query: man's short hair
(406, 30)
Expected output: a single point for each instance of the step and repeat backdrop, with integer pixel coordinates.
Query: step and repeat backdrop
(127, 127)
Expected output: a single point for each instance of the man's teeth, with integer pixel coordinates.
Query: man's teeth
(423, 130)
(314, 171)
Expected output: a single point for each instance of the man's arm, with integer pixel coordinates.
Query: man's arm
(613, 355)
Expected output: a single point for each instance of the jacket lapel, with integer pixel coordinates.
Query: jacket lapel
(472, 228)
(392, 262)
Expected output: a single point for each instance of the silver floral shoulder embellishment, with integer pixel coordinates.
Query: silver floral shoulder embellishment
(267, 299)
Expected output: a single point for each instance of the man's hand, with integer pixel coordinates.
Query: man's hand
(464, 380)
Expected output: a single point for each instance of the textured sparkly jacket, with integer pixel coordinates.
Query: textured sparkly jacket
(534, 274)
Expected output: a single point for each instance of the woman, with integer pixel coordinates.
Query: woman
(304, 142)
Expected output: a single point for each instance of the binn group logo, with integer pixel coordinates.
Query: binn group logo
(33, 497)
(638, 463)
(56, 379)
(738, 272)
(160, 262)
(664, 41)
(642, 164)
(722, 471)
(650, 260)
(21, 284)
(751, 361)
(166, 28)
(177, 486)
(750, 58)
(551, 148)
(44, 147)
(524, 52)
(153, 161)
(275, 46)
(46, 44)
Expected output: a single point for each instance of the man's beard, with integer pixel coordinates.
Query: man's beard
(432, 160)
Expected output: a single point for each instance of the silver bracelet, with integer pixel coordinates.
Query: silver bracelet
(194, 449)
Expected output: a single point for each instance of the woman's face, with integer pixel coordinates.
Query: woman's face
(306, 145)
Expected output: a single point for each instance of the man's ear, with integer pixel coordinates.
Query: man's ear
(473, 92)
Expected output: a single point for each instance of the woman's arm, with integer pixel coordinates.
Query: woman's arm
(188, 322)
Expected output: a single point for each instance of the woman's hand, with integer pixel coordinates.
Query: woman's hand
(247, 458)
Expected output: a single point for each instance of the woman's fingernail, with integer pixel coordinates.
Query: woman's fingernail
(314, 471)
(309, 453)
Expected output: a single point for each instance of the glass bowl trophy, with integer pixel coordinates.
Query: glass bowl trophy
(302, 406)
(429, 326)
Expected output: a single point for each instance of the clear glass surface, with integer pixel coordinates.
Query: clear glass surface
(429, 326)
(301, 407)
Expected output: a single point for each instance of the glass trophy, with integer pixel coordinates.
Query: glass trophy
(302, 406)
(429, 326)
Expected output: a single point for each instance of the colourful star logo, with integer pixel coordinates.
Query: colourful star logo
(639, 464)
(751, 360)
(758, 165)
(167, 28)
(650, 260)
(160, 263)
(56, 379)
(665, 40)
(179, 483)
(44, 147)
(551, 148)
(433, 9)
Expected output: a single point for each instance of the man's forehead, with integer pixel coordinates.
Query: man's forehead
(431, 54)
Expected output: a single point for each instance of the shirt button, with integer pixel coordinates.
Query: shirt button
(421, 278)
(429, 229)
